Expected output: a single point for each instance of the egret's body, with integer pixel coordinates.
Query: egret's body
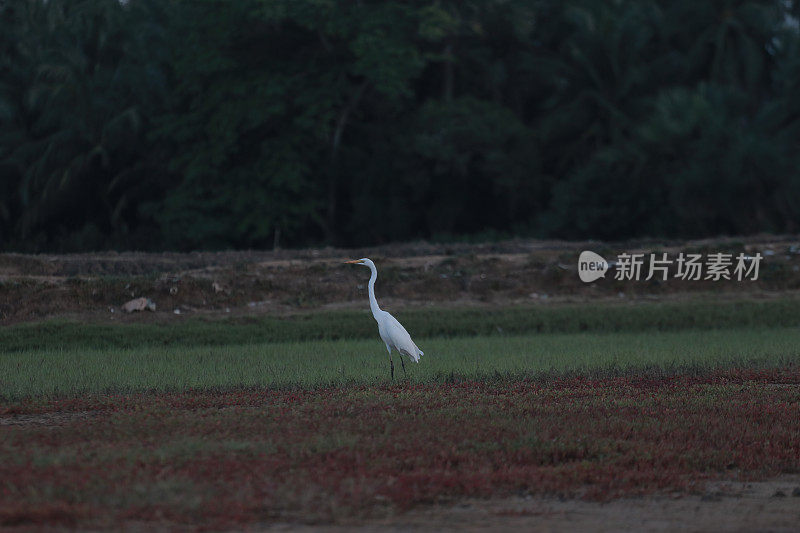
(392, 332)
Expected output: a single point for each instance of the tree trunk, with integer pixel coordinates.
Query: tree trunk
(331, 235)
(447, 82)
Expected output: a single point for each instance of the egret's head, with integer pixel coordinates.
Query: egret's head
(364, 261)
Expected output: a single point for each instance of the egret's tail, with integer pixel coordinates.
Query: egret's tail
(415, 354)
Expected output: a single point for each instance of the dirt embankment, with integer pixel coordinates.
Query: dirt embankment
(723, 506)
(94, 286)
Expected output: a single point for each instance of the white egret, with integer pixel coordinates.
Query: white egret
(392, 332)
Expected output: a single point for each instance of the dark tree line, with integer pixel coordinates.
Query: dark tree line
(153, 124)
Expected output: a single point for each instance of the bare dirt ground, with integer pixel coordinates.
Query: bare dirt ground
(768, 506)
(740, 507)
(217, 284)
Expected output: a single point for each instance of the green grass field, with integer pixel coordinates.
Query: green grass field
(321, 363)
(66, 359)
(422, 323)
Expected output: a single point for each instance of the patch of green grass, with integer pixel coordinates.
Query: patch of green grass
(334, 325)
(57, 372)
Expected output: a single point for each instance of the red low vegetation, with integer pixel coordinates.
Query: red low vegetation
(222, 458)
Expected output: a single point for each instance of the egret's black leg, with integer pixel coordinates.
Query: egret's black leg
(391, 363)
(404, 366)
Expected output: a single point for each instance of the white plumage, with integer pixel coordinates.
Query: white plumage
(395, 336)
(392, 332)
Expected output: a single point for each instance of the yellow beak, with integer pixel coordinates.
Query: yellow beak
(354, 261)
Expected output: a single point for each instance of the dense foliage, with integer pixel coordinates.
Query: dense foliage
(148, 124)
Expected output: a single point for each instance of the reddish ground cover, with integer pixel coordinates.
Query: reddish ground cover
(227, 458)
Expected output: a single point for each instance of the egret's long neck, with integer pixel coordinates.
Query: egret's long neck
(373, 303)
